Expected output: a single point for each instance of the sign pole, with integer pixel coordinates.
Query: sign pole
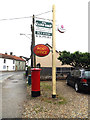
(53, 56)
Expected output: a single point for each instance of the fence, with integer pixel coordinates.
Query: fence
(61, 73)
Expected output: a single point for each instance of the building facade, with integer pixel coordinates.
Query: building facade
(11, 63)
(47, 60)
(45, 63)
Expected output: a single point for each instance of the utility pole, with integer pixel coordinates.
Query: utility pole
(31, 50)
(53, 56)
(33, 57)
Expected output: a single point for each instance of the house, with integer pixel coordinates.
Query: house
(28, 62)
(47, 60)
(11, 62)
(46, 64)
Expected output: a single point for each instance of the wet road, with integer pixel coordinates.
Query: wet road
(13, 96)
(5, 75)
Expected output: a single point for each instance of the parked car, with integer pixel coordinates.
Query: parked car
(79, 79)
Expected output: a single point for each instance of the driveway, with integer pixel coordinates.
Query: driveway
(13, 96)
(76, 105)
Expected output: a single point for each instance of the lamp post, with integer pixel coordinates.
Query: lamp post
(31, 48)
(33, 57)
(25, 35)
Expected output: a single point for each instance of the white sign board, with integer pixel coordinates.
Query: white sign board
(43, 29)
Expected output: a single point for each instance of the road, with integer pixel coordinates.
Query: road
(5, 75)
(13, 93)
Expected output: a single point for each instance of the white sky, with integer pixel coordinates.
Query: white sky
(73, 14)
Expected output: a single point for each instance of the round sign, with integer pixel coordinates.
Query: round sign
(41, 50)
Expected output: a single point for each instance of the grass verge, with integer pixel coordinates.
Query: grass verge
(46, 94)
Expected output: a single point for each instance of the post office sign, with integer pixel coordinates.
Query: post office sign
(41, 50)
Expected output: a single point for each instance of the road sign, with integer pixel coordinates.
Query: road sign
(43, 24)
(43, 29)
(43, 33)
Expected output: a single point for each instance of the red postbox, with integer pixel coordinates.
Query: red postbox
(35, 77)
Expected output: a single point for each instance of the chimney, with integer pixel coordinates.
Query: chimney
(20, 56)
(11, 53)
(5, 53)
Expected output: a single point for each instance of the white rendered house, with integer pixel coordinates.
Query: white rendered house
(11, 63)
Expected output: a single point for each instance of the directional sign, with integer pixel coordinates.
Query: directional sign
(43, 24)
(43, 33)
(43, 29)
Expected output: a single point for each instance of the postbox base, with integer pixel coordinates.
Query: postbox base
(35, 93)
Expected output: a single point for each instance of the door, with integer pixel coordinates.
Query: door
(16, 68)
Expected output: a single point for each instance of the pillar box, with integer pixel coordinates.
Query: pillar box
(35, 77)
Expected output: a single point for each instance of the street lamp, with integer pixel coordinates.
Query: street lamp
(25, 35)
(31, 57)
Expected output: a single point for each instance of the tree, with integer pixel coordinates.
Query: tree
(76, 59)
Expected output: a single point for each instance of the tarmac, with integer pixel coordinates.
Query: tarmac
(13, 96)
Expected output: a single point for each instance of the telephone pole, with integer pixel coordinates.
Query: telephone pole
(33, 57)
(53, 56)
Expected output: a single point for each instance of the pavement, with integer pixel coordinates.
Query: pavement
(0, 100)
(13, 96)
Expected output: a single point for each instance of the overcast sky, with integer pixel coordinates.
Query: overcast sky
(73, 14)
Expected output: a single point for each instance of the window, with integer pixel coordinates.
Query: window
(77, 73)
(87, 74)
(58, 69)
(13, 67)
(4, 60)
(4, 66)
(13, 61)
